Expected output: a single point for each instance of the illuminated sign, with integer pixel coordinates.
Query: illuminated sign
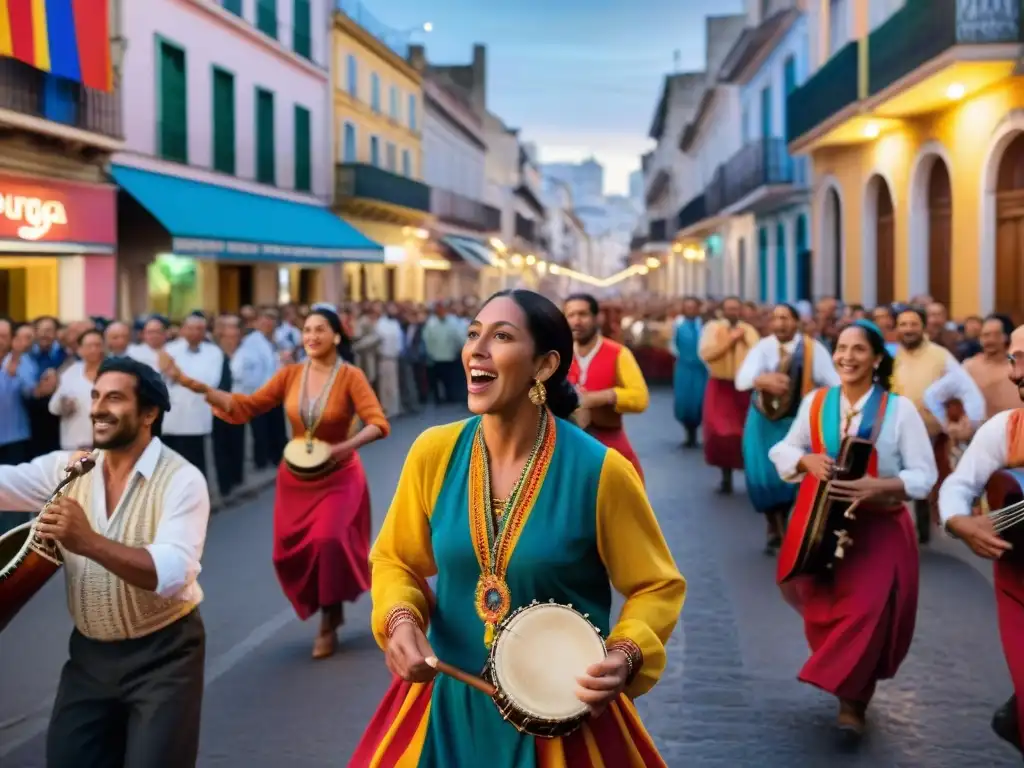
(35, 216)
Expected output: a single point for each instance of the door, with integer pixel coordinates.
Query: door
(235, 287)
(1010, 232)
(885, 248)
(781, 273)
(940, 234)
(307, 286)
(803, 261)
(762, 264)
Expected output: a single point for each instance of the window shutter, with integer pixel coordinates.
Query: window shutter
(302, 38)
(265, 171)
(303, 161)
(173, 128)
(223, 121)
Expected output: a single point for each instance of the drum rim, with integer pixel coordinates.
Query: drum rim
(306, 469)
(27, 527)
(495, 649)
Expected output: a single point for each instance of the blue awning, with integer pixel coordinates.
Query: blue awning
(209, 221)
(475, 252)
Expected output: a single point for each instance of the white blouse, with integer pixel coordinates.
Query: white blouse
(985, 456)
(764, 358)
(903, 447)
(76, 429)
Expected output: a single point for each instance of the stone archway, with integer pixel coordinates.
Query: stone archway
(879, 243)
(830, 243)
(1009, 230)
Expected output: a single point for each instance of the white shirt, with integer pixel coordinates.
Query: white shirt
(260, 361)
(287, 337)
(764, 358)
(145, 354)
(955, 384)
(190, 414)
(76, 429)
(985, 456)
(389, 331)
(902, 446)
(177, 545)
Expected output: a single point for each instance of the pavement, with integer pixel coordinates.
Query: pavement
(728, 698)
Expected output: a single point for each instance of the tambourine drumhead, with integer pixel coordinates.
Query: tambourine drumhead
(305, 455)
(13, 545)
(539, 654)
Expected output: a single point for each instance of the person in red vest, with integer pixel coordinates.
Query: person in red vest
(607, 377)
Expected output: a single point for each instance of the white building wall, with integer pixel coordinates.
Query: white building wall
(450, 160)
(213, 37)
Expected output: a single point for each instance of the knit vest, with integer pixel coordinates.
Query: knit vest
(915, 372)
(104, 606)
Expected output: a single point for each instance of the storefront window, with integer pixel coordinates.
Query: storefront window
(173, 286)
(284, 286)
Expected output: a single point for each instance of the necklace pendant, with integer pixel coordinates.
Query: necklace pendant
(493, 600)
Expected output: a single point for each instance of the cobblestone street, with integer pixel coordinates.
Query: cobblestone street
(729, 696)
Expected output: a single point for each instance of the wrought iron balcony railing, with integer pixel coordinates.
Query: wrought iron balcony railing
(526, 229)
(358, 180)
(463, 211)
(827, 92)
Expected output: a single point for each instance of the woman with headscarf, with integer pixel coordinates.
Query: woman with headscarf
(322, 524)
(781, 369)
(514, 505)
(859, 620)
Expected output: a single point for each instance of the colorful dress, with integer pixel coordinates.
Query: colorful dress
(859, 623)
(725, 407)
(612, 366)
(690, 376)
(811, 366)
(322, 526)
(586, 526)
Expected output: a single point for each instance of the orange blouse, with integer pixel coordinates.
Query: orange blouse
(350, 396)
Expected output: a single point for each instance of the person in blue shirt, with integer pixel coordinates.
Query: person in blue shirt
(18, 379)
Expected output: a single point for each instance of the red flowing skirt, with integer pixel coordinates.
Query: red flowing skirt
(859, 622)
(616, 439)
(322, 537)
(725, 413)
(1009, 582)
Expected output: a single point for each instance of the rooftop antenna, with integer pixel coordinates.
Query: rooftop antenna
(677, 57)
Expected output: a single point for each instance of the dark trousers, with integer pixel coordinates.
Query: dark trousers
(130, 703)
(228, 455)
(13, 453)
(448, 382)
(268, 438)
(191, 447)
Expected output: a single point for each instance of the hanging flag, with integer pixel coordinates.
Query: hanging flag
(67, 38)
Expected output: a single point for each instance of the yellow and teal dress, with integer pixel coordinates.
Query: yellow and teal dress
(584, 527)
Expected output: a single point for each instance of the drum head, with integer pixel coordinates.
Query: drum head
(12, 546)
(538, 656)
(305, 455)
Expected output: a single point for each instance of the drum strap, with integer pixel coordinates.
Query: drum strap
(825, 421)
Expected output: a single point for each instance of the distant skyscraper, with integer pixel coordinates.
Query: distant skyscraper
(636, 187)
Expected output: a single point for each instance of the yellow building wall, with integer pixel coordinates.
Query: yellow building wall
(34, 291)
(372, 57)
(964, 132)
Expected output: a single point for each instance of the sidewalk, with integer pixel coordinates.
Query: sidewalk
(949, 547)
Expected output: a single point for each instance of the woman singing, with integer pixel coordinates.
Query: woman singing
(570, 517)
(321, 526)
(859, 621)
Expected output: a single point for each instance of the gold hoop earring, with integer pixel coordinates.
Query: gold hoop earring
(538, 393)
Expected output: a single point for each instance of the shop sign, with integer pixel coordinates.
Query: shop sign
(54, 211)
(243, 251)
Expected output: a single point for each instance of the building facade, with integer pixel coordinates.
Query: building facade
(913, 117)
(379, 123)
(58, 231)
(226, 174)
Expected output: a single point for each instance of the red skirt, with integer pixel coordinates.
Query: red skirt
(617, 440)
(1009, 581)
(859, 622)
(725, 412)
(322, 537)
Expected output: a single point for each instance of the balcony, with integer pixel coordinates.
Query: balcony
(358, 181)
(948, 41)
(526, 229)
(463, 211)
(825, 94)
(762, 174)
(657, 231)
(714, 192)
(692, 213)
(36, 94)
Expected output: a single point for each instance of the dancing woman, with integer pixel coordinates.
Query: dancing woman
(321, 526)
(570, 519)
(859, 622)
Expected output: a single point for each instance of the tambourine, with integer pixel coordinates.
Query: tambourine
(309, 458)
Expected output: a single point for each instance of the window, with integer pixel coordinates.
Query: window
(265, 171)
(393, 103)
(406, 163)
(266, 17)
(374, 151)
(837, 24)
(60, 99)
(302, 37)
(392, 158)
(223, 121)
(375, 92)
(349, 153)
(172, 120)
(745, 124)
(766, 113)
(788, 83)
(352, 70)
(412, 112)
(303, 159)
(233, 6)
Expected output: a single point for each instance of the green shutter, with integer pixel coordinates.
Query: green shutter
(223, 121)
(233, 6)
(302, 38)
(266, 17)
(173, 118)
(303, 161)
(265, 137)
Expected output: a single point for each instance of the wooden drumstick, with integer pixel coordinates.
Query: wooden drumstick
(463, 677)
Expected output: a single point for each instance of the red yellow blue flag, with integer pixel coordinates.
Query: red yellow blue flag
(67, 38)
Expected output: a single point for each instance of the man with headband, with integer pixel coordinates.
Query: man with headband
(131, 533)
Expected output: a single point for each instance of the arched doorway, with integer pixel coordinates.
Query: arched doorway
(803, 261)
(832, 245)
(781, 273)
(1010, 231)
(885, 243)
(940, 233)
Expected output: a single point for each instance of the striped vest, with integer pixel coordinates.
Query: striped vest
(104, 606)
